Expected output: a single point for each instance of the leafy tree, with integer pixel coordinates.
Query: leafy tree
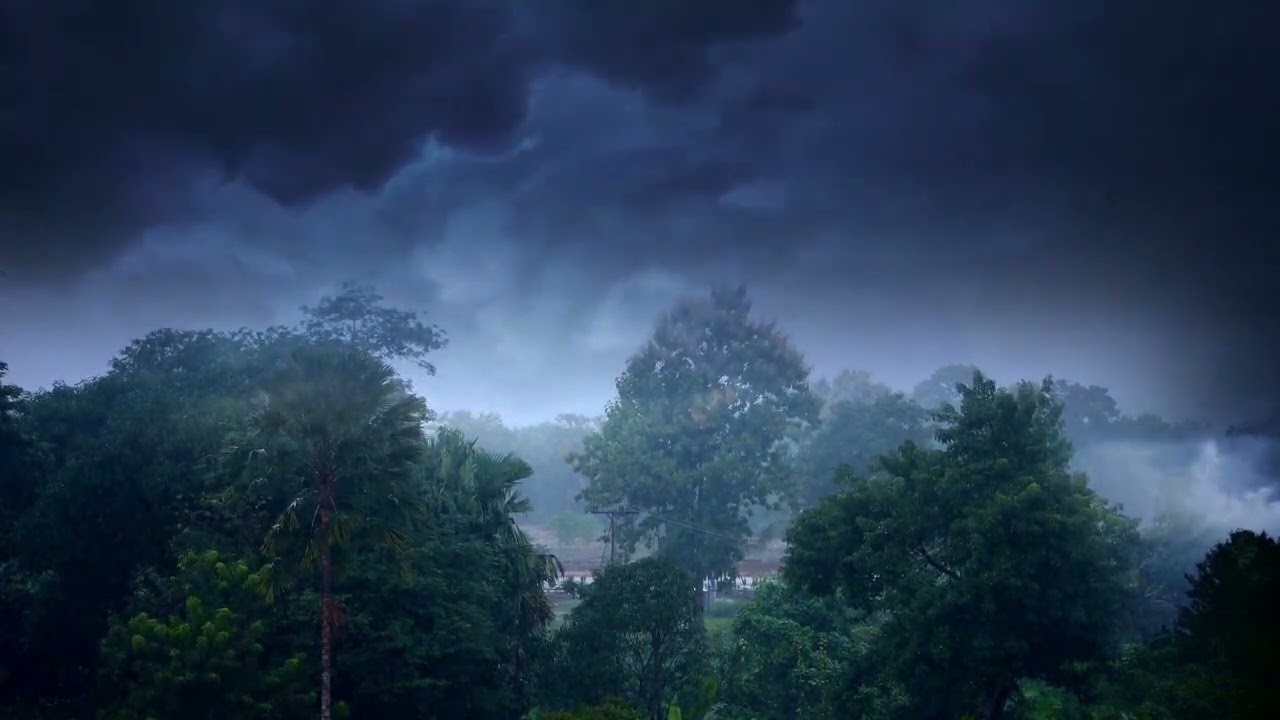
(188, 358)
(22, 470)
(355, 316)
(336, 427)
(1171, 547)
(482, 486)
(425, 630)
(21, 459)
(636, 635)
(1229, 632)
(206, 659)
(610, 709)
(789, 656)
(700, 701)
(852, 386)
(1220, 660)
(123, 458)
(1088, 412)
(488, 429)
(446, 628)
(940, 388)
(695, 434)
(1133, 684)
(1036, 700)
(855, 434)
(126, 475)
(992, 562)
(1091, 415)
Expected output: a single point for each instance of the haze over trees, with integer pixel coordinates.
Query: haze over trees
(271, 523)
(990, 561)
(545, 446)
(694, 439)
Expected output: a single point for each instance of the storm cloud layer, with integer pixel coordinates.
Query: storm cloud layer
(1083, 187)
(113, 109)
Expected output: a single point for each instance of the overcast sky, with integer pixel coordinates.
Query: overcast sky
(1080, 187)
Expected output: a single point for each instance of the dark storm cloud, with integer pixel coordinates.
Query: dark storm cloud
(1038, 165)
(660, 46)
(110, 109)
(1068, 172)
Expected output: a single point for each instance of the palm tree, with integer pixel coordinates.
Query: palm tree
(483, 487)
(337, 430)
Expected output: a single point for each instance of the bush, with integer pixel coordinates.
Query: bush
(611, 709)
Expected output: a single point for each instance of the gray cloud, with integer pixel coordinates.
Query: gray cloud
(1222, 488)
(664, 47)
(115, 108)
(112, 111)
(1078, 187)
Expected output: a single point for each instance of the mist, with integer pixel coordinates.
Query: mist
(1219, 484)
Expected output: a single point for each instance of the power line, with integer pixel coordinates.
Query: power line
(705, 531)
(695, 528)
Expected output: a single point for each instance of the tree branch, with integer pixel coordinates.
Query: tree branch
(924, 554)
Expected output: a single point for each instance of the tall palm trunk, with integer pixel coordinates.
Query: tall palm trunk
(325, 408)
(326, 619)
(993, 703)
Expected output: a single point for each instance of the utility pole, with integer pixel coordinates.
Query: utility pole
(613, 514)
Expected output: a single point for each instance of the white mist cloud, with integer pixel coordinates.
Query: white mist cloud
(1207, 480)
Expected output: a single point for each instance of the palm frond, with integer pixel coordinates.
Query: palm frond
(310, 556)
(395, 539)
(342, 528)
(271, 581)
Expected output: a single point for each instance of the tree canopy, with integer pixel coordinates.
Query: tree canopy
(694, 437)
(989, 559)
(854, 434)
(941, 387)
(636, 636)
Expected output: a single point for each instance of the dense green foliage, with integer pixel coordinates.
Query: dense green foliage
(611, 709)
(636, 636)
(788, 656)
(989, 559)
(200, 445)
(852, 435)
(205, 657)
(222, 519)
(695, 436)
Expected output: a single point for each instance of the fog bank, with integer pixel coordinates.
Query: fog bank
(1221, 483)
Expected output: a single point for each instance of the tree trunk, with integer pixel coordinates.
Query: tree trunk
(656, 681)
(994, 703)
(702, 600)
(326, 628)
